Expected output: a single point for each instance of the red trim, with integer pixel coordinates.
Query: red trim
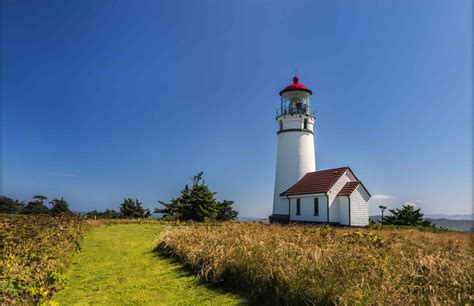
(296, 87)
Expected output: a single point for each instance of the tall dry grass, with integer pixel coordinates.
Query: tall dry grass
(321, 265)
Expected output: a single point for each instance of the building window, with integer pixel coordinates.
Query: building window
(305, 124)
(281, 125)
(298, 207)
(316, 206)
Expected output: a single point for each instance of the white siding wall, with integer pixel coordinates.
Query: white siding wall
(333, 198)
(307, 209)
(343, 210)
(334, 211)
(359, 207)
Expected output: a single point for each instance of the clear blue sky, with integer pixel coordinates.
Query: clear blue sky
(103, 100)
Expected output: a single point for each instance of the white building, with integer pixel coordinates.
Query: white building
(303, 194)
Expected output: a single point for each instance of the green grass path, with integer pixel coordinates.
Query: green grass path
(117, 266)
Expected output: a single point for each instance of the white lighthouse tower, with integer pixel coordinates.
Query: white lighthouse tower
(295, 156)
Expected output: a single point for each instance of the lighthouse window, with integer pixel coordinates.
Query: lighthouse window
(316, 206)
(281, 125)
(298, 207)
(305, 124)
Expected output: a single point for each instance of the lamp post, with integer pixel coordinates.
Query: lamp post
(382, 209)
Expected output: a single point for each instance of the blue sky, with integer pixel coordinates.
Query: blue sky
(103, 100)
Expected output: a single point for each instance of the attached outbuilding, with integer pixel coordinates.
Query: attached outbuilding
(334, 196)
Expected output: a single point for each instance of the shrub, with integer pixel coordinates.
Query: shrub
(36, 207)
(33, 252)
(293, 265)
(107, 214)
(407, 215)
(59, 206)
(10, 206)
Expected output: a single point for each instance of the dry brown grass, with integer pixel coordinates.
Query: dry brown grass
(98, 222)
(321, 265)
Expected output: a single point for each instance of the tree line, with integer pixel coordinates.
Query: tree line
(36, 206)
(195, 203)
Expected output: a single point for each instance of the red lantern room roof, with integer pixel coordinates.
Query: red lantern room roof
(296, 87)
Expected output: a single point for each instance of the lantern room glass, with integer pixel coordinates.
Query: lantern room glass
(293, 103)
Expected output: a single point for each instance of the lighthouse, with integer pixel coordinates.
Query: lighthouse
(295, 155)
(302, 194)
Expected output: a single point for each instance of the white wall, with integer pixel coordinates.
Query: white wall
(332, 193)
(334, 210)
(334, 207)
(343, 210)
(359, 207)
(307, 209)
(295, 122)
(295, 157)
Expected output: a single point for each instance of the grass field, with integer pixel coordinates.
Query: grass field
(314, 265)
(117, 265)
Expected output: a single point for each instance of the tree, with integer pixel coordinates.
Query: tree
(197, 203)
(131, 208)
(408, 215)
(36, 206)
(225, 212)
(382, 209)
(10, 206)
(59, 206)
(107, 214)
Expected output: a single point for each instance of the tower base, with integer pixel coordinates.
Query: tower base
(282, 219)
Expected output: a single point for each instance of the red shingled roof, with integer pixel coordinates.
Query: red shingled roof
(316, 182)
(348, 188)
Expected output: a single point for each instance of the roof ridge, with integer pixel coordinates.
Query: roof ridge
(331, 169)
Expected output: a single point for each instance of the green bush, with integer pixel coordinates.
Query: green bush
(33, 251)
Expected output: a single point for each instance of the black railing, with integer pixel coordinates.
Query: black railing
(303, 110)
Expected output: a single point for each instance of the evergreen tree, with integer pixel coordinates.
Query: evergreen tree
(201, 200)
(59, 206)
(225, 212)
(10, 206)
(131, 208)
(197, 203)
(176, 209)
(408, 215)
(36, 206)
